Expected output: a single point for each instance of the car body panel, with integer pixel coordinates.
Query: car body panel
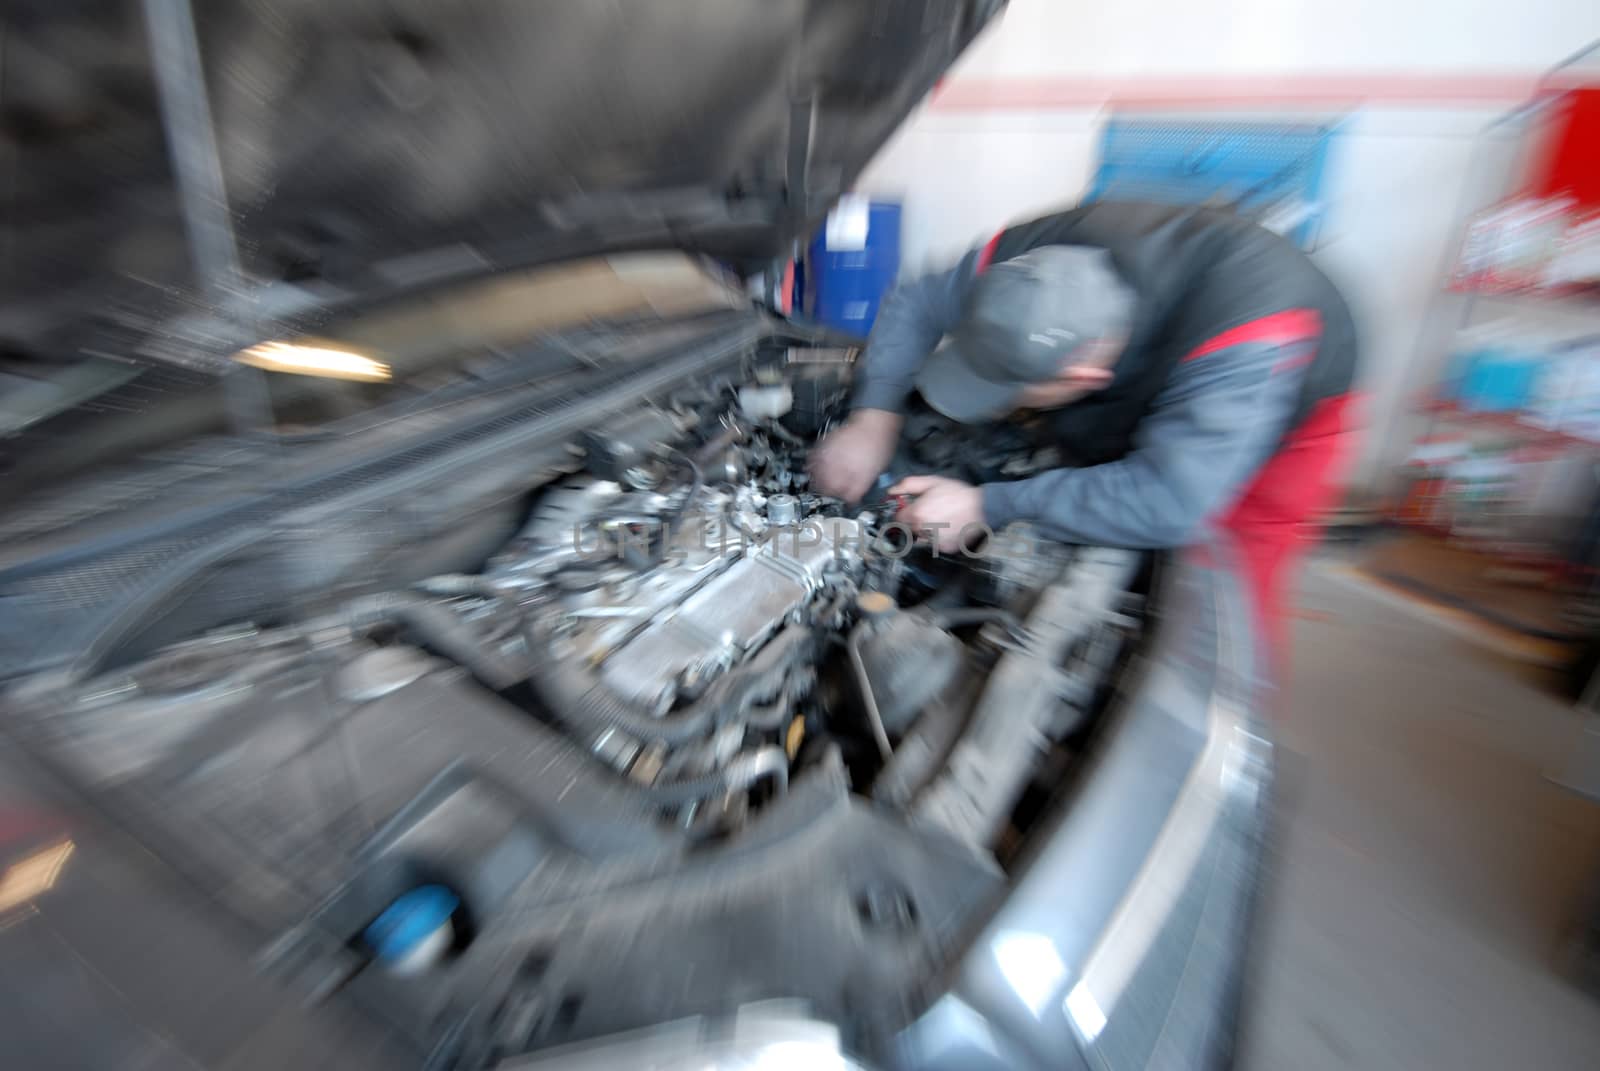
(1134, 906)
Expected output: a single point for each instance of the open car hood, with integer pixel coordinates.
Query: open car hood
(373, 144)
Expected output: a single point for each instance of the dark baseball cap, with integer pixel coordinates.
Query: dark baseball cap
(1021, 325)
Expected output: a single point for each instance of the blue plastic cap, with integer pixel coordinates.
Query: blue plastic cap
(410, 920)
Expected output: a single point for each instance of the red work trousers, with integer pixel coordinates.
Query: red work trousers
(1274, 522)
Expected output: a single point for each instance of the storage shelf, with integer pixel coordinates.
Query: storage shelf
(1585, 297)
(1504, 420)
(1500, 509)
(1522, 555)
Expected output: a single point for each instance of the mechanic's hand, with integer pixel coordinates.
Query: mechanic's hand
(942, 506)
(846, 463)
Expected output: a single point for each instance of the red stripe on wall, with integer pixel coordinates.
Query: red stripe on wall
(1292, 325)
(1203, 91)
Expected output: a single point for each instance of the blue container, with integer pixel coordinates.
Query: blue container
(416, 930)
(1498, 380)
(848, 272)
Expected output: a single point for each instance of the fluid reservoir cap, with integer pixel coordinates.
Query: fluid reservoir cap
(875, 604)
(783, 510)
(415, 931)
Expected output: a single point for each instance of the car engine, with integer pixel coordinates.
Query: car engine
(691, 612)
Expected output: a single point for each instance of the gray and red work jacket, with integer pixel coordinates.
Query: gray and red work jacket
(1239, 345)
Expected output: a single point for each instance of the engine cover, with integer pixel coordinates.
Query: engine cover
(730, 613)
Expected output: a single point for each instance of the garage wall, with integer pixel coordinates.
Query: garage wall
(1014, 130)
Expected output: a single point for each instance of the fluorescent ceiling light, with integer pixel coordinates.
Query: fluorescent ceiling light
(33, 875)
(306, 360)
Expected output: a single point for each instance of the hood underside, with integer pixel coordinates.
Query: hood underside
(377, 143)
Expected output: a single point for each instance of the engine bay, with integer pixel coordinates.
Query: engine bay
(694, 616)
(690, 703)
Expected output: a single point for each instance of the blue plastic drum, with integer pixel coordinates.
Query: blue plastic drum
(852, 263)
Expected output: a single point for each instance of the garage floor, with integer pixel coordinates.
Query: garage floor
(1426, 872)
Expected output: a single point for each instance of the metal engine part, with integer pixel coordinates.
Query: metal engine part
(718, 609)
(783, 510)
(723, 581)
(631, 450)
(565, 509)
(1030, 700)
(1018, 562)
(908, 660)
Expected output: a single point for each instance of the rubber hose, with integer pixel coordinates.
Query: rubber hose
(642, 560)
(442, 631)
(713, 448)
(922, 752)
(868, 700)
(575, 697)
